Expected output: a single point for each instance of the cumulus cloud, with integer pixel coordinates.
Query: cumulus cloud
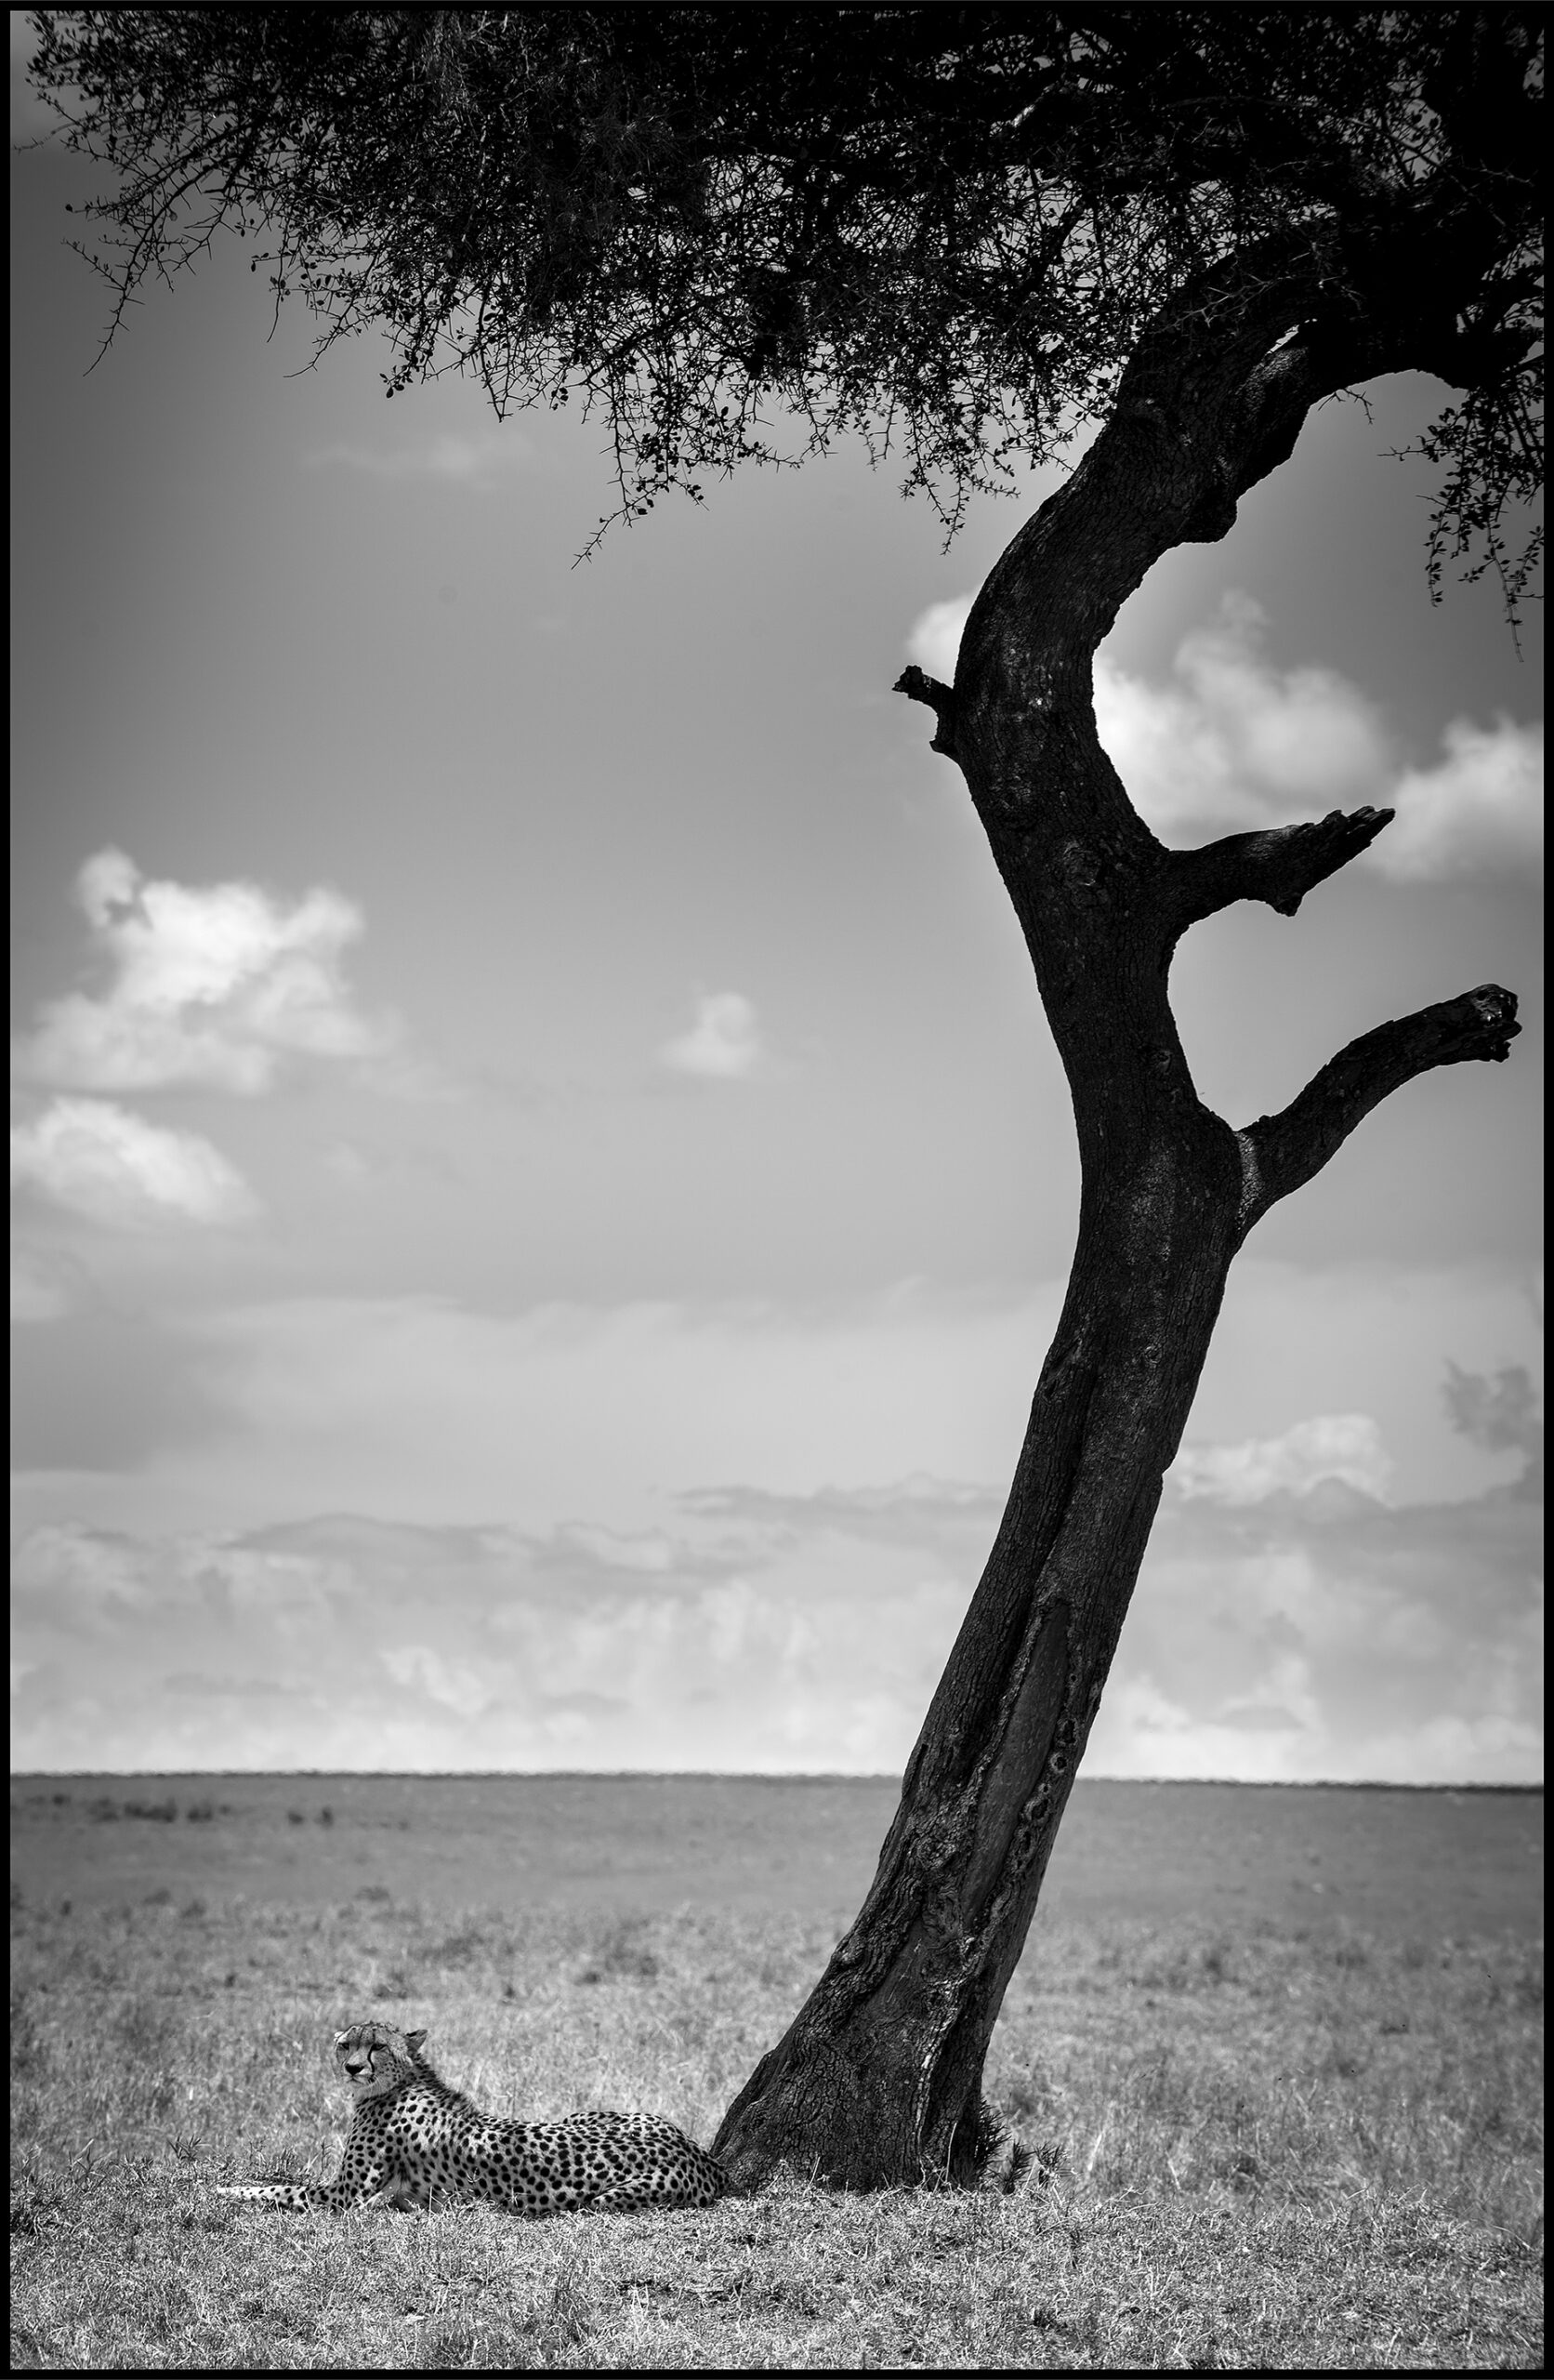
(215, 984)
(933, 639)
(460, 1686)
(83, 1575)
(247, 1651)
(697, 1547)
(1286, 1634)
(722, 1045)
(1231, 742)
(1299, 1637)
(1480, 807)
(98, 1160)
(1345, 1447)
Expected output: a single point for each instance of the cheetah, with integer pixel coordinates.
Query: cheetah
(416, 2143)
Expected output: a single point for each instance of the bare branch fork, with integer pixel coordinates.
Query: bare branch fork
(1279, 866)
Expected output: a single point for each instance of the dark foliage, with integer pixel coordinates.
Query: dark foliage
(742, 231)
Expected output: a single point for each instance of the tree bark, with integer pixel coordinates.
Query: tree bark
(878, 2079)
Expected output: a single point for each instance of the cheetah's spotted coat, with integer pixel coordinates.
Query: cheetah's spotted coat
(415, 2142)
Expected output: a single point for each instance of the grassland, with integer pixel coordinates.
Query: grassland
(1267, 2148)
(1382, 1861)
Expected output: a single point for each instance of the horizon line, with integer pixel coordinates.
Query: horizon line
(807, 1776)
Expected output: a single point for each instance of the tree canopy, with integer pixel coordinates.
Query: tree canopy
(943, 228)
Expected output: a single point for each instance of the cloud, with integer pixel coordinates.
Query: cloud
(1480, 807)
(460, 1686)
(47, 1284)
(98, 1160)
(950, 1517)
(1305, 1636)
(722, 1044)
(581, 1547)
(424, 1410)
(246, 1651)
(215, 985)
(1234, 742)
(83, 1575)
(933, 639)
(420, 1409)
(1288, 1636)
(1497, 1412)
(1346, 1447)
(1231, 743)
(477, 463)
(211, 1690)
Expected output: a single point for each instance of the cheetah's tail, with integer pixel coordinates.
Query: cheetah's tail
(299, 2195)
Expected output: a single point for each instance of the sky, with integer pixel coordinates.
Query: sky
(541, 1183)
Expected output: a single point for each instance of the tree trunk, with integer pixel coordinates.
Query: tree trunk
(878, 2079)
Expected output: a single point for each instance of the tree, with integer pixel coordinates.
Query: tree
(963, 233)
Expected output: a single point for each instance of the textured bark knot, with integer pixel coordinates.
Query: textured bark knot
(1076, 866)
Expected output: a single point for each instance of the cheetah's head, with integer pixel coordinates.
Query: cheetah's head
(375, 2058)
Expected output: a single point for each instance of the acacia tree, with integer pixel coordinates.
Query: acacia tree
(963, 233)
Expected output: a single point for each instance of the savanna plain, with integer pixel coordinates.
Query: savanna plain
(1275, 2055)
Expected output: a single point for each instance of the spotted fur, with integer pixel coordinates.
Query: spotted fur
(415, 2142)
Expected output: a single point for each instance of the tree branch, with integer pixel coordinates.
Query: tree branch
(1279, 865)
(941, 700)
(1281, 1152)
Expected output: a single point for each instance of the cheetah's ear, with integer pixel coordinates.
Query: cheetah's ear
(413, 2040)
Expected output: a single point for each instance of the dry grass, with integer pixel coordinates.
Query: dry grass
(1270, 2151)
